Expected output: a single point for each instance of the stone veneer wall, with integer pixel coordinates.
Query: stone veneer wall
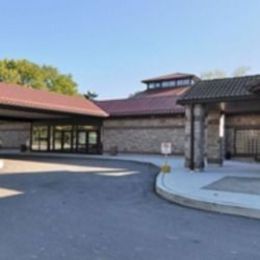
(214, 144)
(234, 122)
(199, 136)
(13, 135)
(144, 135)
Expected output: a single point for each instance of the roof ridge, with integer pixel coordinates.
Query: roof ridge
(135, 98)
(164, 76)
(231, 77)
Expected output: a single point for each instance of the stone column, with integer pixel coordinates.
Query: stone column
(187, 141)
(194, 152)
(215, 140)
(199, 137)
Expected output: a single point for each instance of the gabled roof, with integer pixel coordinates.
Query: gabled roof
(142, 106)
(172, 76)
(146, 103)
(226, 89)
(24, 97)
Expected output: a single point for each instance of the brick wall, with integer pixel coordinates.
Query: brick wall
(13, 135)
(144, 135)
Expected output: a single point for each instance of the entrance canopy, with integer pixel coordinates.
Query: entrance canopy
(223, 90)
(209, 103)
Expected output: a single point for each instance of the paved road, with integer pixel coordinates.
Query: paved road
(117, 216)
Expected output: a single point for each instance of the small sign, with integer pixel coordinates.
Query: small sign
(166, 148)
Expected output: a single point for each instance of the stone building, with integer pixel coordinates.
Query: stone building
(207, 120)
(222, 120)
(48, 122)
(140, 124)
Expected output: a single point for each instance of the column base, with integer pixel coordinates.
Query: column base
(215, 161)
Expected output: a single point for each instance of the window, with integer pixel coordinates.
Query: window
(172, 83)
(151, 85)
(40, 138)
(183, 82)
(166, 84)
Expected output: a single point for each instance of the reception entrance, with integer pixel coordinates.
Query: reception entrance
(87, 141)
(66, 138)
(62, 138)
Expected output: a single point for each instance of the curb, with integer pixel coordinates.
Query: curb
(188, 201)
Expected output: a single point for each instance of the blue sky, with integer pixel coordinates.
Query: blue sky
(110, 46)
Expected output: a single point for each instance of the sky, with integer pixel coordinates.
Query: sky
(109, 46)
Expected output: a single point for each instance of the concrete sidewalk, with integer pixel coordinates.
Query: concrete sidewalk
(231, 189)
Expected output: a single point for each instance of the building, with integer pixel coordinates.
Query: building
(140, 124)
(207, 120)
(48, 122)
(222, 118)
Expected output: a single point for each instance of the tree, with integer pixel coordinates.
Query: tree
(241, 71)
(214, 74)
(91, 95)
(217, 74)
(29, 74)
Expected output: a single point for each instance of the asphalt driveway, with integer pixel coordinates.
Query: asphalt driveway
(101, 209)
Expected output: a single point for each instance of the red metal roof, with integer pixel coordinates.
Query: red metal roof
(18, 96)
(156, 92)
(142, 106)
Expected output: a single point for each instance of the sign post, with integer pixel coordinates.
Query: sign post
(166, 150)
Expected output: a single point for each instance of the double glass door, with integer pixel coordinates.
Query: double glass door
(63, 140)
(66, 138)
(87, 141)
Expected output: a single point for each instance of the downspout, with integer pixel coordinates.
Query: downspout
(192, 139)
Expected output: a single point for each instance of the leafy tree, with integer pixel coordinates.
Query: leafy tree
(241, 71)
(217, 74)
(214, 74)
(26, 73)
(91, 95)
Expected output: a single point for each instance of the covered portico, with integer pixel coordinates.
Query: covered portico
(212, 108)
(51, 122)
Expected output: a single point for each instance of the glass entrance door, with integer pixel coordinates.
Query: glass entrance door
(82, 141)
(67, 137)
(87, 141)
(62, 140)
(92, 141)
(66, 141)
